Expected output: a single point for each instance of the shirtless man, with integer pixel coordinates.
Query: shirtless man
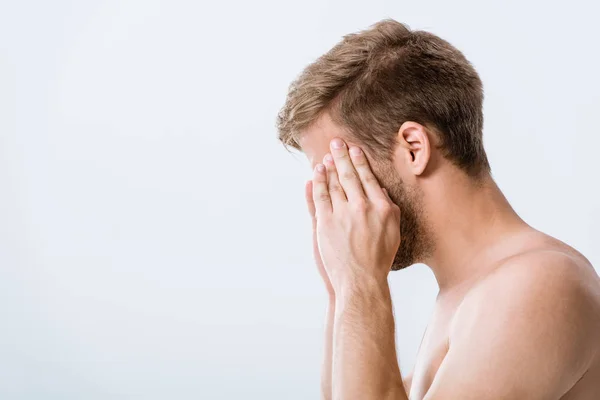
(391, 121)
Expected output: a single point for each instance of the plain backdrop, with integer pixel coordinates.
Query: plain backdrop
(154, 241)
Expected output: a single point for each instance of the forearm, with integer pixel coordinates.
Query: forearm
(365, 364)
(326, 368)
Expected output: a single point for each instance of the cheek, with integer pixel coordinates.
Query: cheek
(385, 174)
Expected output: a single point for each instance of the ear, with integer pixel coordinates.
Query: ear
(414, 142)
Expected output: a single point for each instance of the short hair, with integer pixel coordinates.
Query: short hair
(374, 80)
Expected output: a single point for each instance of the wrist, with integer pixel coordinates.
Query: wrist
(362, 289)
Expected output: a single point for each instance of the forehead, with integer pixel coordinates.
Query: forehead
(315, 139)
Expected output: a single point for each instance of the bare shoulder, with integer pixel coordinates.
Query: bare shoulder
(546, 271)
(542, 274)
(529, 329)
(549, 293)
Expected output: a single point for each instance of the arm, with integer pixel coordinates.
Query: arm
(358, 236)
(326, 367)
(365, 363)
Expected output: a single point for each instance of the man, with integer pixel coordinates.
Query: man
(391, 120)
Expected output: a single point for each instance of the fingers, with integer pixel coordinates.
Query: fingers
(333, 183)
(348, 176)
(320, 191)
(308, 194)
(390, 201)
(369, 182)
(345, 176)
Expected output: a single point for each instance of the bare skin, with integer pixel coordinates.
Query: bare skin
(517, 314)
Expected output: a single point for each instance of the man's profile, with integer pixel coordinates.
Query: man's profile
(392, 120)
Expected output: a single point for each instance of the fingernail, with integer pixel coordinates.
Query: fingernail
(355, 151)
(320, 168)
(337, 143)
(328, 158)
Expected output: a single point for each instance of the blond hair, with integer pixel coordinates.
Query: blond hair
(374, 80)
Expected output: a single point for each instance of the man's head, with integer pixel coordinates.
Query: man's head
(408, 98)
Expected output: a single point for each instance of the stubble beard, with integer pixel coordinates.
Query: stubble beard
(416, 244)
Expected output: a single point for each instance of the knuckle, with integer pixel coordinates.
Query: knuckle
(348, 175)
(385, 208)
(360, 205)
(341, 154)
(369, 178)
(335, 187)
(323, 196)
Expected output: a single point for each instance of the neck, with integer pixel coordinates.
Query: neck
(468, 220)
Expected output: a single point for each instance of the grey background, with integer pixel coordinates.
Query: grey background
(154, 242)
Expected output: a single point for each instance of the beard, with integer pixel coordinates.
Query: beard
(416, 244)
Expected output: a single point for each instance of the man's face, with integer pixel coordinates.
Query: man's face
(415, 244)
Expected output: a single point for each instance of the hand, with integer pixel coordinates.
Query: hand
(357, 224)
(317, 256)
